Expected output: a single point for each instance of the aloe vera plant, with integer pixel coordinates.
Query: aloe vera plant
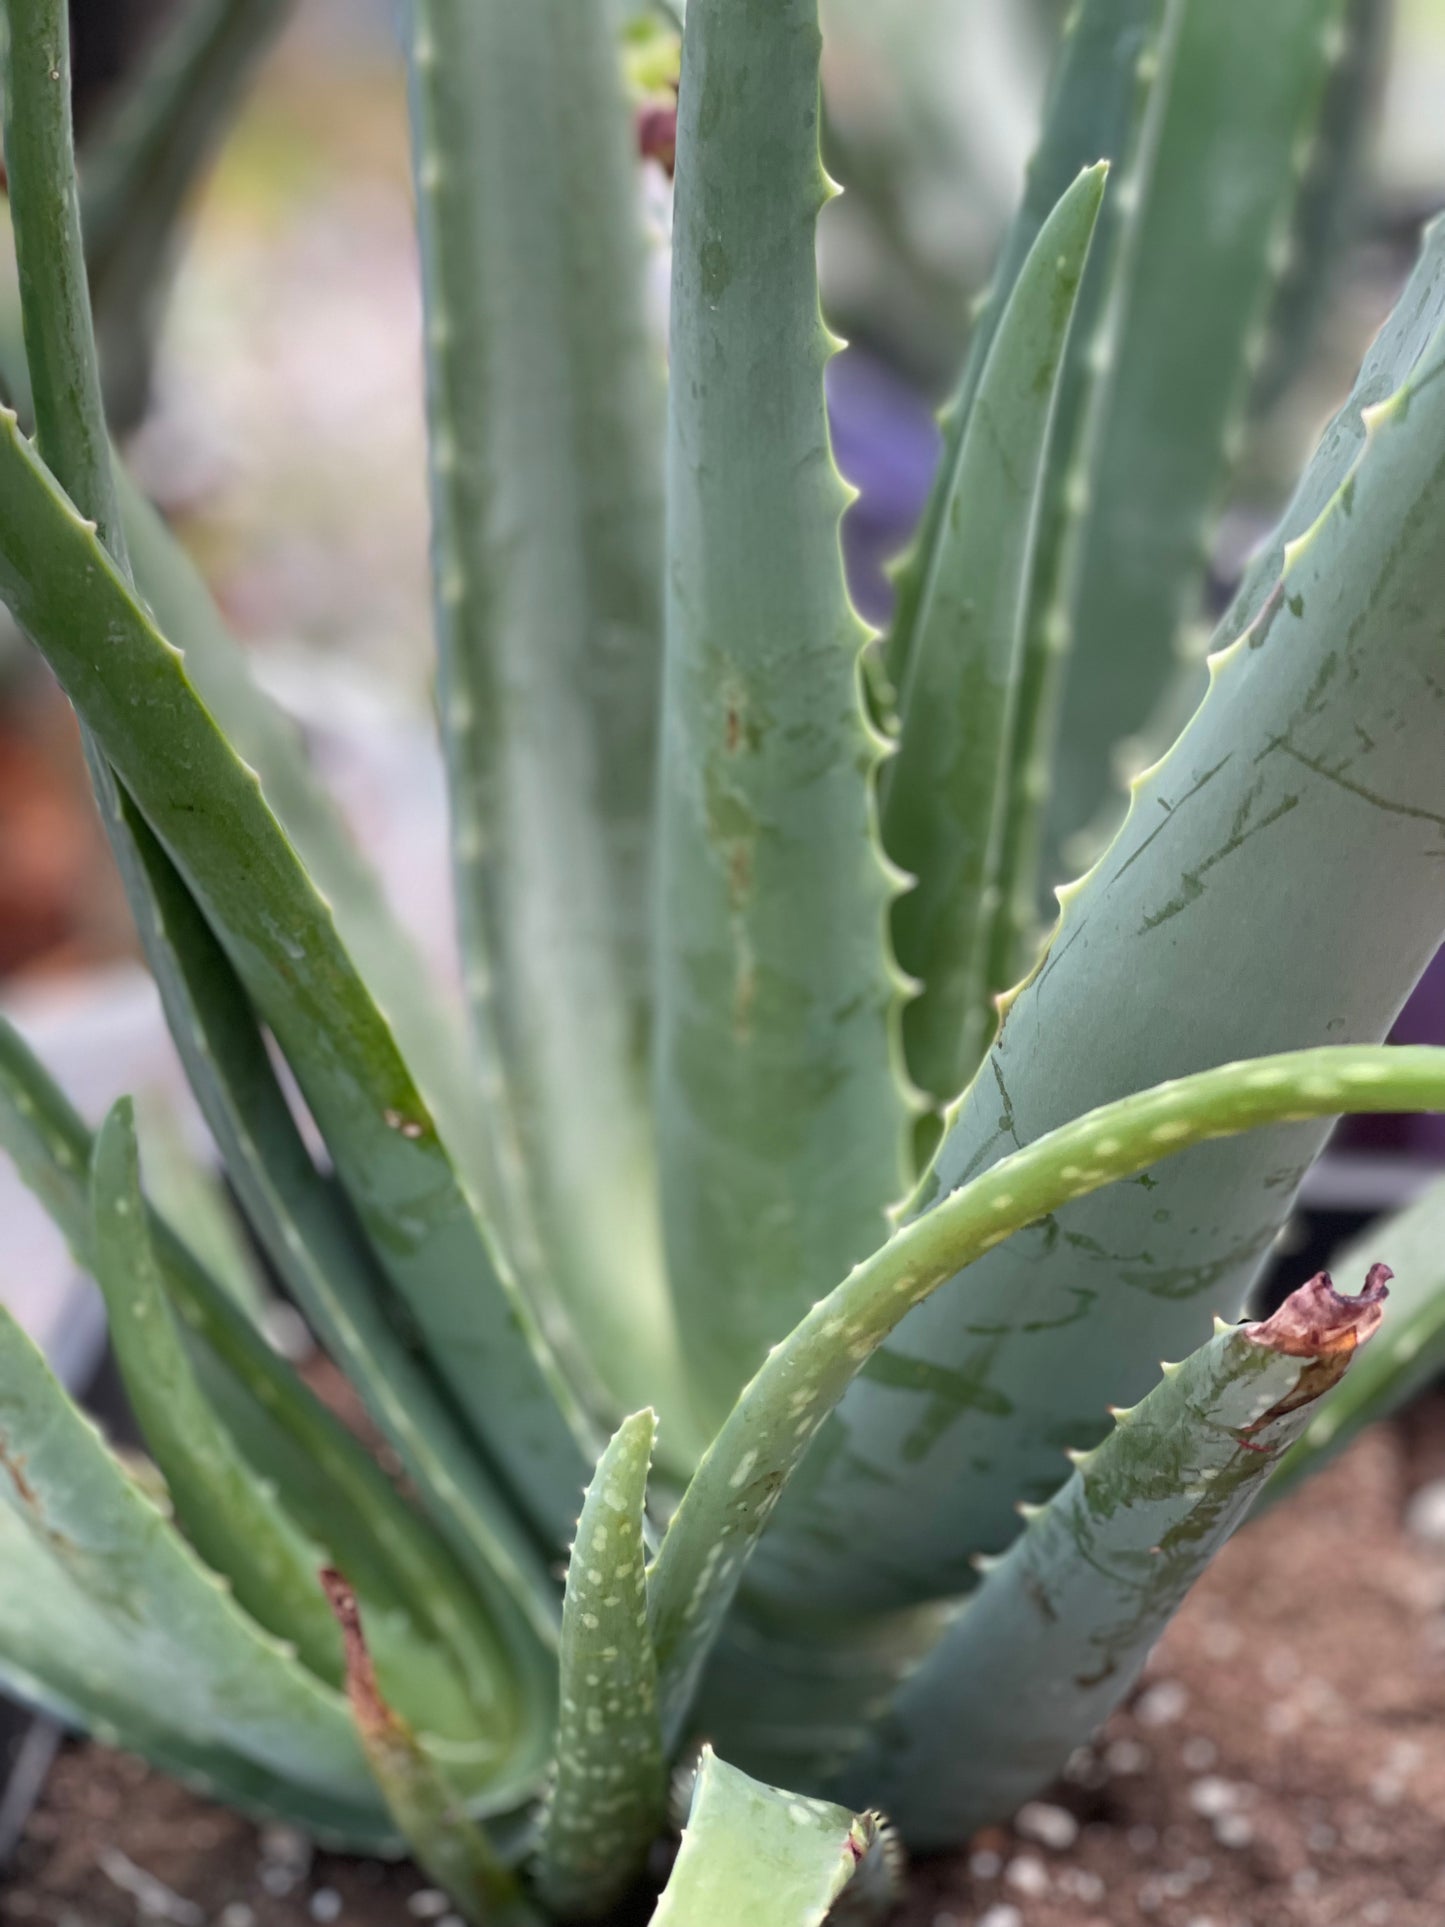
(795, 1197)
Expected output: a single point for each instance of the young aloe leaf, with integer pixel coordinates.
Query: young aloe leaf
(609, 1796)
(944, 791)
(1303, 805)
(755, 1853)
(1108, 55)
(1060, 1627)
(142, 165)
(717, 1524)
(239, 1528)
(449, 1845)
(544, 401)
(104, 1605)
(781, 1114)
(1408, 1356)
(207, 808)
(341, 1497)
(1185, 329)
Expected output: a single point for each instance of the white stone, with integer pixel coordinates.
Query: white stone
(1002, 1916)
(1027, 1875)
(1049, 1825)
(1425, 1514)
(1161, 1704)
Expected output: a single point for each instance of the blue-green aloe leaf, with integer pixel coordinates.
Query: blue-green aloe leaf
(1061, 1626)
(544, 405)
(239, 1528)
(107, 1610)
(717, 1525)
(756, 1853)
(944, 791)
(781, 1115)
(1183, 334)
(447, 1842)
(1242, 908)
(338, 1494)
(608, 1802)
(207, 808)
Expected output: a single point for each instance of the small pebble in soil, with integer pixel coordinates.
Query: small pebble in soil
(324, 1904)
(1199, 1754)
(428, 1903)
(1047, 1825)
(1211, 1796)
(237, 1914)
(1004, 1916)
(1162, 1703)
(1027, 1875)
(1425, 1514)
(1234, 1830)
(985, 1864)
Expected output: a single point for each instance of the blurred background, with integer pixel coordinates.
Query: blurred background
(279, 427)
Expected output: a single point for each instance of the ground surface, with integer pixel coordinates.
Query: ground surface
(1283, 1765)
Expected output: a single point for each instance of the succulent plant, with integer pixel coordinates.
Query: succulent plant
(790, 1146)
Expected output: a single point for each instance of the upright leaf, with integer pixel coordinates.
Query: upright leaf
(544, 403)
(1243, 906)
(945, 790)
(1060, 1628)
(780, 1113)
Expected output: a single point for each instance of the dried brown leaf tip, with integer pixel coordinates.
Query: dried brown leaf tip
(1320, 1324)
(1316, 1321)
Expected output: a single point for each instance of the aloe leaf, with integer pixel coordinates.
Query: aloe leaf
(732, 1495)
(1303, 805)
(1409, 1354)
(449, 1845)
(781, 1112)
(544, 401)
(1108, 55)
(140, 167)
(338, 1494)
(609, 1795)
(208, 810)
(944, 791)
(187, 1189)
(238, 1528)
(1183, 336)
(1061, 1626)
(105, 1603)
(756, 1853)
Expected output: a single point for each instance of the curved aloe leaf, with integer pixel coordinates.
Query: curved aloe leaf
(717, 1525)
(1241, 908)
(449, 1845)
(544, 395)
(140, 167)
(1060, 1627)
(609, 1796)
(104, 1605)
(781, 1115)
(238, 1527)
(341, 1497)
(1243, 93)
(943, 792)
(207, 808)
(756, 1853)
(1108, 54)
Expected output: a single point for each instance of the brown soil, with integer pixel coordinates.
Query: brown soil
(1282, 1765)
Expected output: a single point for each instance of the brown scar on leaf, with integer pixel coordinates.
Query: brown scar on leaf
(1320, 1324)
(370, 1710)
(15, 1466)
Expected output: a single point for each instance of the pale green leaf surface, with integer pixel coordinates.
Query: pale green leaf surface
(758, 1854)
(608, 1802)
(781, 1115)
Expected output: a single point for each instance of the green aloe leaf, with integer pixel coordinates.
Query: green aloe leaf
(430, 1813)
(106, 1608)
(339, 1496)
(944, 792)
(1183, 335)
(544, 402)
(609, 1796)
(141, 167)
(207, 809)
(239, 1528)
(781, 1113)
(1241, 908)
(756, 1853)
(1061, 1626)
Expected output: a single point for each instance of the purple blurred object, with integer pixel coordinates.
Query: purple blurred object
(886, 442)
